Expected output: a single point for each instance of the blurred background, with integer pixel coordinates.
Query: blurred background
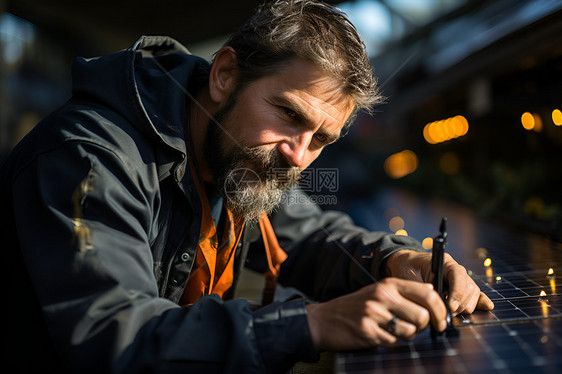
(473, 94)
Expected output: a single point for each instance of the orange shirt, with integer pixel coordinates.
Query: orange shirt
(213, 270)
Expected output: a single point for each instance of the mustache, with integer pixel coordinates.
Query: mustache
(271, 164)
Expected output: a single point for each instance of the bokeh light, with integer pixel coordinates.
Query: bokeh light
(396, 223)
(538, 122)
(400, 164)
(427, 243)
(528, 121)
(557, 117)
(447, 129)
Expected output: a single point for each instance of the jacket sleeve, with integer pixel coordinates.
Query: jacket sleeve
(83, 214)
(320, 244)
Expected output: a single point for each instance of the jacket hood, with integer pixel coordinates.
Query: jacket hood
(148, 84)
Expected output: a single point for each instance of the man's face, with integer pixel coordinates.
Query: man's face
(270, 131)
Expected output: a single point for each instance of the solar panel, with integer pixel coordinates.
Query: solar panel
(521, 272)
(523, 332)
(503, 348)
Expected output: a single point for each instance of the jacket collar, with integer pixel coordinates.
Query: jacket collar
(164, 77)
(149, 84)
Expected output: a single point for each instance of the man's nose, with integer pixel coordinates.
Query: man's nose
(294, 149)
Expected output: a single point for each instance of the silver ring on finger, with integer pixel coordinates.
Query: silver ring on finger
(391, 327)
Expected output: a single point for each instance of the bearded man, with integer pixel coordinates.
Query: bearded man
(128, 213)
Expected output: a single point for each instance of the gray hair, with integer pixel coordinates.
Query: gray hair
(319, 33)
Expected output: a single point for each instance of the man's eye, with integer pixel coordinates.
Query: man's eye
(291, 113)
(321, 138)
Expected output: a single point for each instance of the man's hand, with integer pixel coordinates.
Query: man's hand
(464, 295)
(363, 318)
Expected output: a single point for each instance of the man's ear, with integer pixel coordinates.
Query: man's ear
(222, 78)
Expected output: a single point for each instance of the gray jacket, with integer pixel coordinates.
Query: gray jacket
(99, 223)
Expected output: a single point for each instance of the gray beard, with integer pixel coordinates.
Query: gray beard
(251, 180)
(248, 192)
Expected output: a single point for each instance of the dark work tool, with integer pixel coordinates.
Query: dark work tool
(439, 245)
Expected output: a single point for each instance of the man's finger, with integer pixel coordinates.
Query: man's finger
(464, 294)
(418, 295)
(458, 281)
(404, 330)
(484, 302)
(463, 299)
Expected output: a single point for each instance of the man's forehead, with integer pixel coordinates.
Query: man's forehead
(309, 86)
(337, 110)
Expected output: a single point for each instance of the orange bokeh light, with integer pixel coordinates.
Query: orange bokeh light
(447, 129)
(528, 121)
(400, 164)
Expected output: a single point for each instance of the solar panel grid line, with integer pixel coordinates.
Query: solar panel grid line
(415, 357)
(435, 357)
(517, 296)
(450, 351)
(496, 362)
(555, 337)
(538, 360)
(433, 361)
(520, 349)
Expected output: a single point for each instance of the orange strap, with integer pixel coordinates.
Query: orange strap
(275, 257)
(213, 270)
